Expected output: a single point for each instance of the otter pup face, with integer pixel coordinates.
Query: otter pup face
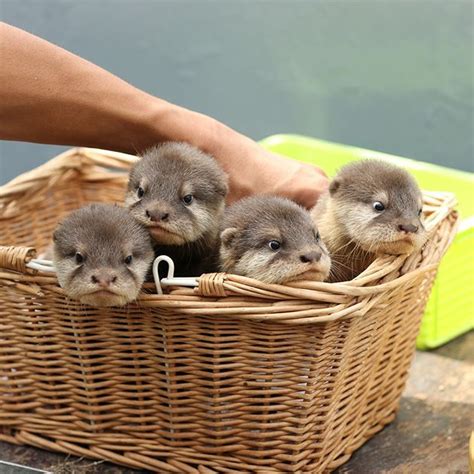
(380, 207)
(102, 255)
(178, 192)
(273, 240)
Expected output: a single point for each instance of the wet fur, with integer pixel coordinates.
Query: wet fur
(352, 230)
(252, 223)
(167, 173)
(105, 235)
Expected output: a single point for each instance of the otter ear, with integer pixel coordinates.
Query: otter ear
(222, 189)
(228, 235)
(221, 186)
(334, 185)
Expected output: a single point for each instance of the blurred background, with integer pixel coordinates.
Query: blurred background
(393, 76)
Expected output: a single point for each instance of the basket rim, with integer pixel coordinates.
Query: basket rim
(97, 164)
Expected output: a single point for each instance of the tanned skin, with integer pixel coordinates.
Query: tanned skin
(49, 95)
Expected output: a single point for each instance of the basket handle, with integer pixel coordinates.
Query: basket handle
(73, 159)
(217, 285)
(212, 284)
(16, 258)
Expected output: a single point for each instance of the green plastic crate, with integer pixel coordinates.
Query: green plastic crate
(450, 310)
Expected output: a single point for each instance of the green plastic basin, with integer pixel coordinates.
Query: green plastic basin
(450, 310)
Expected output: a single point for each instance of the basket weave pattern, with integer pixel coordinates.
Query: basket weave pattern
(233, 376)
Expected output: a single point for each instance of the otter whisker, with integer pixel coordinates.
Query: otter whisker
(365, 207)
(101, 254)
(185, 192)
(273, 240)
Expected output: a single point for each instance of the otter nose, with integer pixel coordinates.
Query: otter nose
(103, 280)
(310, 257)
(157, 216)
(408, 228)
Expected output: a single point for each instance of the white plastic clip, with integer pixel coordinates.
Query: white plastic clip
(41, 265)
(170, 279)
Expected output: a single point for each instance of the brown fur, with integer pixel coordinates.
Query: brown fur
(353, 230)
(167, 173)
(105, 235)
(252, 223)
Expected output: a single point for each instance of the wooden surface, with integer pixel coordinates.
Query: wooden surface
(429, 436)
(431, 432)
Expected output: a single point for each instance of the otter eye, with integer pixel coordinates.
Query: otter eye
(419, 212)
(274, 244)
(188, 199)
(317, 236)
(79, 258)
(378, 206)
(128, 260)
(140, 192)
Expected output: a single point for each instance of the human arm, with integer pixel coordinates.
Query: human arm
(49, 95)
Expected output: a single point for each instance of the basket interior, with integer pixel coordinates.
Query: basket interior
(36, 218)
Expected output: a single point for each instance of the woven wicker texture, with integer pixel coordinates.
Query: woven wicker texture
(233, 376)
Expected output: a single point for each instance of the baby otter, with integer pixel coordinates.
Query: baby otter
(273, 240)
(101, 255)
(371, 207)
(178, 193)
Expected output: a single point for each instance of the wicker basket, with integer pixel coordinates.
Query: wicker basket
(231, 376)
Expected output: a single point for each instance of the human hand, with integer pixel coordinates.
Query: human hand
(301, 182)
(73, 102)
(254, 170)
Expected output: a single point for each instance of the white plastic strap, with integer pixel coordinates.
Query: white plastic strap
(42, 265)
(170, 280)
